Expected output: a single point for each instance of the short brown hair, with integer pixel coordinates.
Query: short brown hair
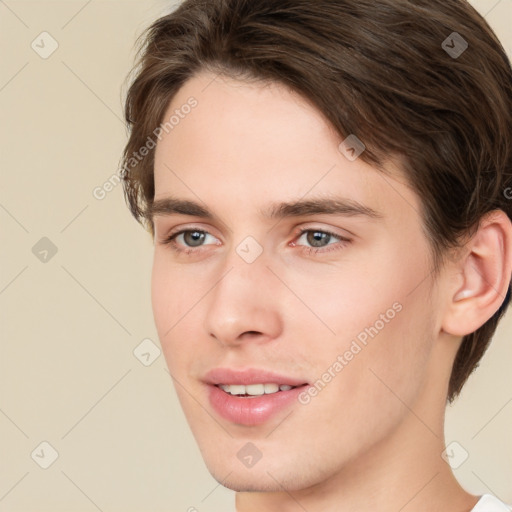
(379, 69)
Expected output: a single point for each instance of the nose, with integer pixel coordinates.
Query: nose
(244, 304)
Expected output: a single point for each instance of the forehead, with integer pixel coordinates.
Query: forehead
(246, 119)
(255, 141)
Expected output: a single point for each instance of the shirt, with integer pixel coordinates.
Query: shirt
(488, 503)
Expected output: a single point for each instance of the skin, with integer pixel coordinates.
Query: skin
(372, 438)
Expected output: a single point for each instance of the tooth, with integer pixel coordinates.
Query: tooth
(271, 388)
(255, 389)
(236, 389)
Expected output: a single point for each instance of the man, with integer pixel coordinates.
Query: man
(326, 185)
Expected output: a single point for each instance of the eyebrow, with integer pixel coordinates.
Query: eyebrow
(330, 205)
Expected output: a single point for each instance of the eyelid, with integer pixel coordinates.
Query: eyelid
(184, 228)
(303, 229)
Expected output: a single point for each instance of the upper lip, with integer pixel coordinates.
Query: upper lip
(249, 376)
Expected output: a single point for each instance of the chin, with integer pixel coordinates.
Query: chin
(242, 481)
(271, 477)
(238, 483)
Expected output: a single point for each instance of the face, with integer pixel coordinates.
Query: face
(281, 262)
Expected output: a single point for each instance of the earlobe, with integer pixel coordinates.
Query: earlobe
(486, 270)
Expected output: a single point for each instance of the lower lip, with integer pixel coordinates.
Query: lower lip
(251, 410)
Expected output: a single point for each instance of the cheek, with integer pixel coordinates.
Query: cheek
(367, 291)
(170, 301)
(173, 293)
(363, 393)
(161, 296)
(382, 320)
(178, 301)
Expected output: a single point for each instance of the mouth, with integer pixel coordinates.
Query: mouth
(251, 397)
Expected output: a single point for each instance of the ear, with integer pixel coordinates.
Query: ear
(485, 271)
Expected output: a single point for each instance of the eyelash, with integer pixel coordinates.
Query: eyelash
(170, 240)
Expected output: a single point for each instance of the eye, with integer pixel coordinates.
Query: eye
(192, 238)
(318, 239)
(188, 239)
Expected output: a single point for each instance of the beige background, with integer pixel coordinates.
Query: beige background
(69, 326)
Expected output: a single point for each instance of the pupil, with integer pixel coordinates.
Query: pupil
(315, 238)
(194, 238)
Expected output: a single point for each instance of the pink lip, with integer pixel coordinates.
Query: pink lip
(252, 410)
(249, 376)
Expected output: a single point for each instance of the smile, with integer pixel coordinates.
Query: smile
(254, 389)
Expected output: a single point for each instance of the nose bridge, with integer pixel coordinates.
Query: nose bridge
(245, 265)
(243, 298)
